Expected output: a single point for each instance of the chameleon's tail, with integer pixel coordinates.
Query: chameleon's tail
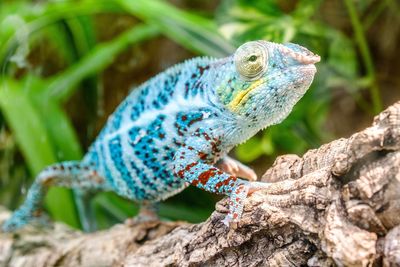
(66, 174)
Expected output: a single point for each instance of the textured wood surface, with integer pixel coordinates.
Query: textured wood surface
(337, 205)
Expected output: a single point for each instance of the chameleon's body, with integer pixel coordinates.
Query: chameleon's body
(177, 128)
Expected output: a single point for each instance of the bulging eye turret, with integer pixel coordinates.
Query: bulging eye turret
(251, 60)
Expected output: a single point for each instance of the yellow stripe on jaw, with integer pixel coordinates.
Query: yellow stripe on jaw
(243, 94)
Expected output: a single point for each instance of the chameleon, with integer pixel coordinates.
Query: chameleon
(177, 128)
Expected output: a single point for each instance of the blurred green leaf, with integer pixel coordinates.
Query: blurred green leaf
(180, 211)
(74, 38)
(65, 140)
(250, 150)
(27, 125)
(35, 143)
(342, 56)
(192, 31)
(120, 209)
(60, 204)
(61, 39)
(242, 21)
(267, 145)
(305, 9)
(62, 85)
(82, 32)
(37, 16)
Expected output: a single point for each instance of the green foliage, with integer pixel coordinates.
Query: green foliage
(31, 104)
(241, 21)
(192, 31)
(35, 142)
(62, 86)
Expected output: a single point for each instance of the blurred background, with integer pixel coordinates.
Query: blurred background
(66, 65)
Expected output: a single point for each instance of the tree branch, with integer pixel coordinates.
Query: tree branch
(336, 205)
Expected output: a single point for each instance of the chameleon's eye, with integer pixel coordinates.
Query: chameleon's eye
(251, 60)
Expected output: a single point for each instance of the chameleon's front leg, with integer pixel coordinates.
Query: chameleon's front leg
(193, 162)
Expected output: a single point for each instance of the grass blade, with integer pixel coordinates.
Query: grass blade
(35, 19)
(35, 143)
(190, 30)
(63, 85)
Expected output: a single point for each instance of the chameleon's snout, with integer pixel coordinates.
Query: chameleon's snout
(299, 53)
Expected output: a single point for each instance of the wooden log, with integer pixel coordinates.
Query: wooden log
(337, 205)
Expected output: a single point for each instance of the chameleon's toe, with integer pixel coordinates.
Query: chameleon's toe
(237, 197)
(13, 223)
(236, 203)
(19, 219)
(227, 220)
(8, 226)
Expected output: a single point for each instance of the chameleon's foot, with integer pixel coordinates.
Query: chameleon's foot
(19, 219)
(236, 168)
(11, 225)
(141, 218)
(147, 213)
(227, 220)
(237, 197)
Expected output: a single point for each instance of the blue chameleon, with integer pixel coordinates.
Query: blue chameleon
(177, 128)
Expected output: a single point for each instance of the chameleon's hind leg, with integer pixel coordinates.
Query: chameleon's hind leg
(67, 174)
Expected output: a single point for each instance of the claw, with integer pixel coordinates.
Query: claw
(19, 219)
(237, 197)
(227, 220)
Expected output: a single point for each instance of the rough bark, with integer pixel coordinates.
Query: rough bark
(337, 205)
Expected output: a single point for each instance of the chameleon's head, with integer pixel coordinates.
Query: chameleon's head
(262, 81)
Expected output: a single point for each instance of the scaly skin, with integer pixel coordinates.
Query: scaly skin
(176, 129)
